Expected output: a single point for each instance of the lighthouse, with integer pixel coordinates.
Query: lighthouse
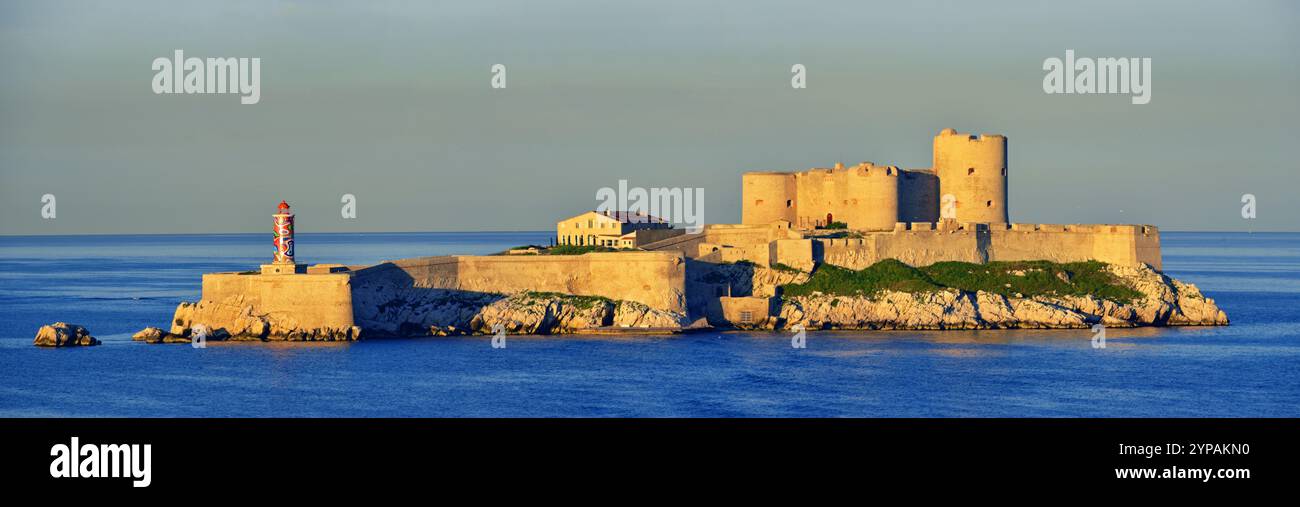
(283, 262)
(283, 234)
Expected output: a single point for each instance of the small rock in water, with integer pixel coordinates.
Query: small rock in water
(157, 335)
(62, 334)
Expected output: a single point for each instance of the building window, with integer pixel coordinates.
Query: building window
(1004, 171)
(746, 317)
(788, 203)
(758, 202)
(988, 204)
(970, 171)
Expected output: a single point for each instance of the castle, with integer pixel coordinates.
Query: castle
(967, 183)
(851, 217)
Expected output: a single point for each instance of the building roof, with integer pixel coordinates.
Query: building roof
(627, 217)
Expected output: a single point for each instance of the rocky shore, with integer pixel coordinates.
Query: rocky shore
(438, 312)
(412, 312)
(418, 312)
(235, 319)
(1166, 302)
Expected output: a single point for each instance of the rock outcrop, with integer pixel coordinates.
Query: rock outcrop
(416, 312)
(62, 334)
(157, 335)
(442, 312)
(1167, 302)
(236, 319)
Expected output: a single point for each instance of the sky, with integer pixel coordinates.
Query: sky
(392, 103)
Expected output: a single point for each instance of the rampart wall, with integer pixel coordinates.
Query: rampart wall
(922, 244)
(656, 279)
(323, 300)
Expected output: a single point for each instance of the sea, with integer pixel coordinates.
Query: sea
(116, 285)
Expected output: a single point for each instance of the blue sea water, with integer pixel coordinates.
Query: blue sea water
(116, 285)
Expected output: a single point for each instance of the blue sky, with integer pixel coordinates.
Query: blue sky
(391, 102)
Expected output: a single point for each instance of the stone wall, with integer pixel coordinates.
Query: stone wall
(922, 244)
(728, 242)
(323, 300)
(656, 279)
(1125, 245)
(918, 196)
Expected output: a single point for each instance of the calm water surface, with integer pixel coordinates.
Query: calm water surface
(116, 285)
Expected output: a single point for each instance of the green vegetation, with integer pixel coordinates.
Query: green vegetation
(835, 225)
(838, 234)
(1023, 278)
(579, 250)
(782, 267)
(888, 274)
(583, 302)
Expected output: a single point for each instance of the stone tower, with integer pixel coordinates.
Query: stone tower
(868, 197)
(767, 196)
(972, 175)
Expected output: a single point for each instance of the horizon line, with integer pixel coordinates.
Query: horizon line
(89, 234)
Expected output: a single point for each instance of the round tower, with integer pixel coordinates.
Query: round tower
(283, 234)
(767, 196)
(972, 175)
(870, 197)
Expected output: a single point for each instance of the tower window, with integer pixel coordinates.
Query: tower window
(758, 202)
(788, 203)
(988, 204)
(970, 171)
(1004, 171)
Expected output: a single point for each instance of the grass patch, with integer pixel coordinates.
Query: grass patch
(837, 234)
(1023, 278)
(888, 274)
(583, 249)
(583, 302)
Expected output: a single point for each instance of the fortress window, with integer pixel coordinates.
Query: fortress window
(889, 172)
(758, 202)
(1004, 171)
(788, 203)
(746, 317)
(988, 204)
(970, 171)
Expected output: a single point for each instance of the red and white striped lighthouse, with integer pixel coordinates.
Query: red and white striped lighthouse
(283, 234)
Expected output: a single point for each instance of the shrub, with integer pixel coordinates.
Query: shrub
(1023, 278)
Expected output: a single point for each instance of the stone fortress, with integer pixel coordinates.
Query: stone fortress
(725, 274)
(969, 172)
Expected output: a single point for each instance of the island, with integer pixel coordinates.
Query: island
(860, 247)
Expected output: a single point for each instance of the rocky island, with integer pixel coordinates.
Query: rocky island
(862, 247)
